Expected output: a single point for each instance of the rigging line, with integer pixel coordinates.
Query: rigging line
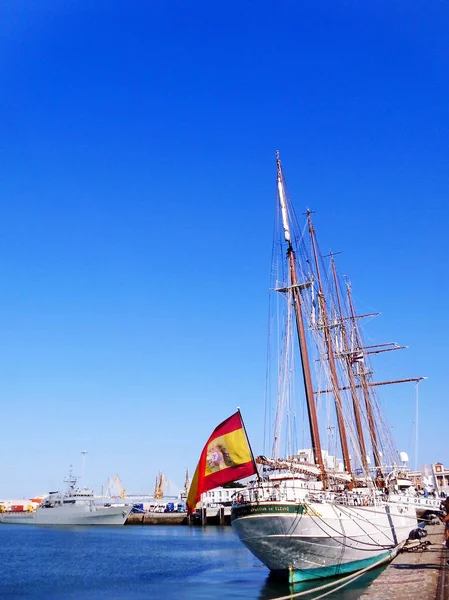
(362, 549)
(347, 537)
(283, 385)
(416, 428)
(296, 522)
(278, 352)
(289, 391)
(274, 273)
(344, 401)
(278, 367)
(295, 408)
(267, 376)
(383, 431)
(369, 522)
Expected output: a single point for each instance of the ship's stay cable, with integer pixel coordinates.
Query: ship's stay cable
(289, 387)
(316, 324)
(295, 523)
(381, 546)
(277, 279)
(267, 408)
(364, 519)
(346, 396)
(353, 334)
(385, 440)
(322, 365)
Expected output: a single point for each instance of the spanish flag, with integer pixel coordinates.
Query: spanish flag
(225, 457)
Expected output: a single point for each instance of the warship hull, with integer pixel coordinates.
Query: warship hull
(73, 515)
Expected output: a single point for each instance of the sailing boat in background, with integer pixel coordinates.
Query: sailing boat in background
(311, 515)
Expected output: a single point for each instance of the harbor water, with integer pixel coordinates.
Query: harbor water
(124, 563)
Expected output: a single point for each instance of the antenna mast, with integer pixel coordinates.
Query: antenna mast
(83, 452)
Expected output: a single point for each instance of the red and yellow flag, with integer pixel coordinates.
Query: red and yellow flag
(225, 457)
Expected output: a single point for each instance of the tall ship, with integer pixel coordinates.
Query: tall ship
(74, 506)
(310, 514)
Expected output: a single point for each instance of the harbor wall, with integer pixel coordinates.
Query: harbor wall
(218, 515)
(152, 518)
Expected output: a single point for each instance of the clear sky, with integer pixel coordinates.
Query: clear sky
(137, 182)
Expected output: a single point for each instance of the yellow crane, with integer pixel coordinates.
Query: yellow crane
(187, 482)
(159, 486)
(115, 488)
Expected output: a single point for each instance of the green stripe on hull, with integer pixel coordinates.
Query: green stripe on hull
(266, 509)
(296, 576)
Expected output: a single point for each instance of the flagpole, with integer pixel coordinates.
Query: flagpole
(249, 445)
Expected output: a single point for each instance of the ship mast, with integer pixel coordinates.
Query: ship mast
(295, 290)
(365, 388)
(330, 352)
(352, 382)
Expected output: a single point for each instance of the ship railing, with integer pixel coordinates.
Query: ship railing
(345, 498)
(280, 495)
(268, 493)
(356, 499)
(261, 494)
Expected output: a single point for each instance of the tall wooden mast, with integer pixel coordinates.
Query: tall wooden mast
(352, 382)
(365, 388)
(295, 290)
(330, 352)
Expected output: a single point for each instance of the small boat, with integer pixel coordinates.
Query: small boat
(75, 506)
(311, 514)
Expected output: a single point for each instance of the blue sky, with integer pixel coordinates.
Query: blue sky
(137, 178)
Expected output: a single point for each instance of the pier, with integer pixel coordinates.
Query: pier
(154, 518)
(415, 575)
(212, 515)
(219, 515)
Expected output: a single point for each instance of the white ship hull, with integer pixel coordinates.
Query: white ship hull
(419, 503)
(309, 541)
(76, 515)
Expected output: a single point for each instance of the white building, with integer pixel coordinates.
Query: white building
(330, 462)
(439, 477)
(220, 495)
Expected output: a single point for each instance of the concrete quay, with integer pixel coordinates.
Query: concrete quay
(421, 574)
(216, 515)
(212, 515)
(152, 518)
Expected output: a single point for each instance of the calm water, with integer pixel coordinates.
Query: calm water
(124, 563)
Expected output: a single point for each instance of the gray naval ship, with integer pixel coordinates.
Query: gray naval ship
(75, 506)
